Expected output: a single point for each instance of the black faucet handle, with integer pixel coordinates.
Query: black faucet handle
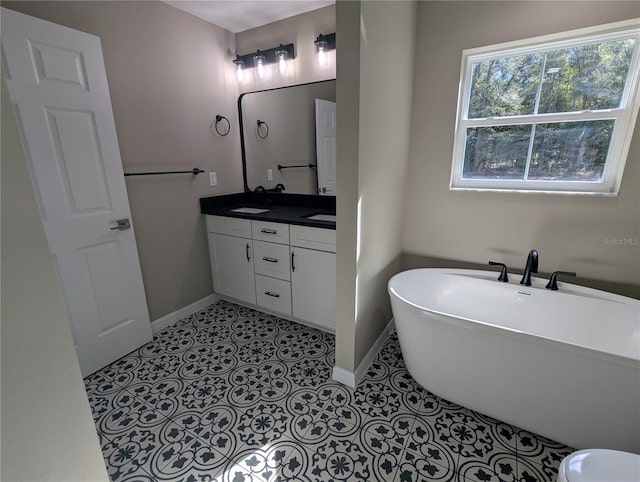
(503, 274)
(553, 281)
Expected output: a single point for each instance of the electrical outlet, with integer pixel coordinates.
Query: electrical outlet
(269, 174)
(213, 179)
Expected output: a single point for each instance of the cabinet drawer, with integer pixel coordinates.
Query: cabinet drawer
(272, 259)
(272, 232)
(314, 238)
(273, 294)
(229, 226)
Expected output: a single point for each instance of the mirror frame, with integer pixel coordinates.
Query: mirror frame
(240, 121)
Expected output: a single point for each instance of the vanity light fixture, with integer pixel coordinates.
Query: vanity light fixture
(261, 58)
(324, 43)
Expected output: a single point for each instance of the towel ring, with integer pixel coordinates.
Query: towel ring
(264, 129)
(220, 118)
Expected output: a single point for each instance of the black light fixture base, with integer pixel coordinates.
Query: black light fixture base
(270, 56)
(329, 39)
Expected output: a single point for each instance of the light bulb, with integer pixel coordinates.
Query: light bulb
(239, 69)
(321, 46)
(259, 61)
(322, 57)
(282, 61)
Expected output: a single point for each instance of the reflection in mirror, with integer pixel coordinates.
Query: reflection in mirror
(288, 138)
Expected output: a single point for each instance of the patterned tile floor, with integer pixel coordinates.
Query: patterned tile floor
(232, 394)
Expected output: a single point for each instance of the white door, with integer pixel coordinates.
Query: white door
(326, 146)
(313, 286)
(58, 86)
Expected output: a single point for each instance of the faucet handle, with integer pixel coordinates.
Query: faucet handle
(553, 282)
(503, 274)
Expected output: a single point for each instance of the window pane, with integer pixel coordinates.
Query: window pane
(586, 78)
(570, 151)
(504, 87)
(498, 152)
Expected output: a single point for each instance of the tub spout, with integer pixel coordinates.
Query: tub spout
(531, 267)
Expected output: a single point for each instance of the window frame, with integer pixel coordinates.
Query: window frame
(625, 116)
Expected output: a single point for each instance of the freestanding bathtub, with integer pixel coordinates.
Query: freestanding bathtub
(564, 364)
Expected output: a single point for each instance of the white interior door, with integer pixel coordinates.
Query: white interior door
(58, 86)
(326, 146)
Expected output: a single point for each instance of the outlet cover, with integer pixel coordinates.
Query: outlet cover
(269, 174)
(213, 179)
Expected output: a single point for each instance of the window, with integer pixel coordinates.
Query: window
(550, 114)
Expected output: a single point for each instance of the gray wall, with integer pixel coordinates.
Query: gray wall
(169, 74)
(47, 429)
(443, 226)
(376, 171)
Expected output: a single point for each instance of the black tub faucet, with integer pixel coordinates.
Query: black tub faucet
(531, 267)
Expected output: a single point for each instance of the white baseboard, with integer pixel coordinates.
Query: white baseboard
(361, 371)
(343, 376)
(168, 320)
(352, 379)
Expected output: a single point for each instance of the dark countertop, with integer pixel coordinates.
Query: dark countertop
(283, 208)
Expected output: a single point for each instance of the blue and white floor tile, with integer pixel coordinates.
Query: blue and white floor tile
(232, 394)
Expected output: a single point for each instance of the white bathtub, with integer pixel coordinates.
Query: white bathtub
(564, 364)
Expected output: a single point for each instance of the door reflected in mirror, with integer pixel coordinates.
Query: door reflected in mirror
(289, 139)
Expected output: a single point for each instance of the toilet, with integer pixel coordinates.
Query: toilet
(600, 465)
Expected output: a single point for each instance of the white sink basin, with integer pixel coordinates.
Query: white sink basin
(246, 210)
(323, 217)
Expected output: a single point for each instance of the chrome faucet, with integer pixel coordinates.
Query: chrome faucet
(532, 267)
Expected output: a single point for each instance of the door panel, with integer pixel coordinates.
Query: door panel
(326, 146)
(79, 160)
(58, 86)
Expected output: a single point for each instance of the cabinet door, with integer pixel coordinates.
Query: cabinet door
(232, 267)
(313, 286)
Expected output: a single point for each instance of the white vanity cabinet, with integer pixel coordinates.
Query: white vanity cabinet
(285, 269)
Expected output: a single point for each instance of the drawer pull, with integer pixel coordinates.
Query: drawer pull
(269, 231)
(270, 260)
(269, 293)
(248, 257)
(293, 264)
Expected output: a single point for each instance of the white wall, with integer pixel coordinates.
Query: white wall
(47, 429)
(443, 226)
(376, 171)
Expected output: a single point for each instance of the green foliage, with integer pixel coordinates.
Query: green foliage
(587, 77)
(590, 77)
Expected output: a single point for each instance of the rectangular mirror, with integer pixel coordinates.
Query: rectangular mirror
(288, 138)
